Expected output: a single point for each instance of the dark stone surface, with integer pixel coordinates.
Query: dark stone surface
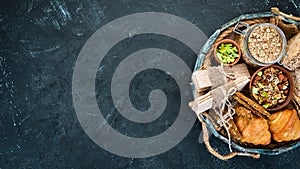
(39, 44)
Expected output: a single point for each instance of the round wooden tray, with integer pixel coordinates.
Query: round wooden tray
(204, 59)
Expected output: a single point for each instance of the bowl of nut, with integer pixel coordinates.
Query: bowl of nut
(271, 87)
(265, 44)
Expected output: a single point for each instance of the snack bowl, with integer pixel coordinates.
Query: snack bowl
(272, 87)
(227, 52)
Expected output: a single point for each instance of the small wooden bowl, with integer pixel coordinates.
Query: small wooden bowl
(291, 86)
(226, 41)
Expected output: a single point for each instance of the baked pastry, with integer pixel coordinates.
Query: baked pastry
(293, 51)
(296, 78)
(254, 130)
(285, 125)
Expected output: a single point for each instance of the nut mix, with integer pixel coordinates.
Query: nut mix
(265, 44)
(270, 87)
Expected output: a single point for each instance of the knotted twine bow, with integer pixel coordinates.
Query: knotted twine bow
(221, 97)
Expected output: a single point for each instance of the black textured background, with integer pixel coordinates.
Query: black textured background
(39, 44)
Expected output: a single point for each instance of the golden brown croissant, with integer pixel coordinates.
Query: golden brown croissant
(285, 125)
(255, 130)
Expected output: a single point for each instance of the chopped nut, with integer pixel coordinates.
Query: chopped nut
(265, 44)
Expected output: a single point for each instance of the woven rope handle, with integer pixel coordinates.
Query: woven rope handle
(215, 153)
(276, 10)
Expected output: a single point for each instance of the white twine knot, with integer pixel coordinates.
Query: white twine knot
(224, 119)
(228, 74)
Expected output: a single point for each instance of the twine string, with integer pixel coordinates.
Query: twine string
(224, 119)
(227, 73)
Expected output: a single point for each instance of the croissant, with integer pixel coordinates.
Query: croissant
(285, 125)
(254, 130)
